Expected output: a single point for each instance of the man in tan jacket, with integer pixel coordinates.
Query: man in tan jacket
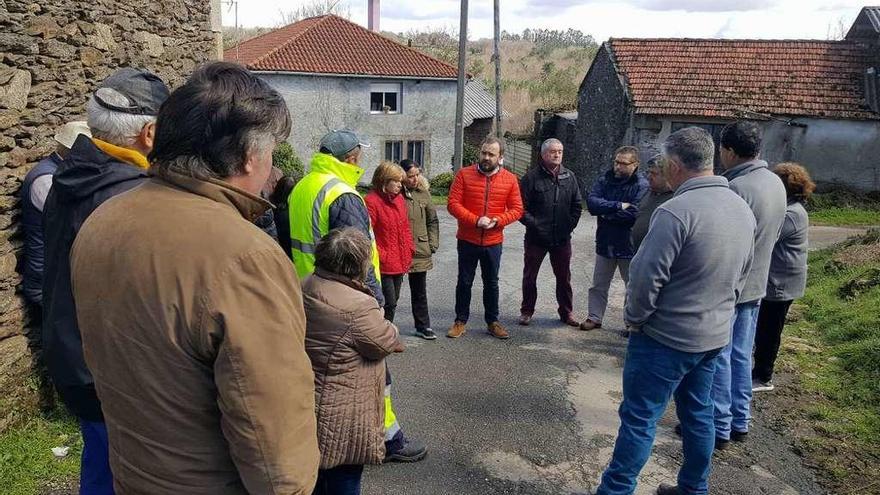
(192, 318)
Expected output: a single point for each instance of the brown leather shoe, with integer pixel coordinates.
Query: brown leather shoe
(458, 329)
(525, 320)
(570, 321)
(497, 330)
(588, 325)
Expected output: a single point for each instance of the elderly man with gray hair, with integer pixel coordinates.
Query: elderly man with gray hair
(121, 115)
(552, 209)
(684, 283)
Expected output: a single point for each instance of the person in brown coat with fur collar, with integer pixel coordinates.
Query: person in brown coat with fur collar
(347, 340)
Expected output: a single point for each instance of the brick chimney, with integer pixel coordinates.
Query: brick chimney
(373, 15)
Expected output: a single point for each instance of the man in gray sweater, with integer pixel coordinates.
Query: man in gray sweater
(765, 195)
(684, 284)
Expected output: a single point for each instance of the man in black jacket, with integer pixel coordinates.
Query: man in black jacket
(121, 115)
(553, 204)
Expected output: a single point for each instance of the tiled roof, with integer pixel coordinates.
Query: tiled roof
(724, 78)
(332, 45)
(478, 103)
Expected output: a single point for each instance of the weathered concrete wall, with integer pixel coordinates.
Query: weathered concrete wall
(604, 117)
(836, 152)
(319, 104)
(52, 55)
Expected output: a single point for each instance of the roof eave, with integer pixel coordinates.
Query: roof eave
(362, 76)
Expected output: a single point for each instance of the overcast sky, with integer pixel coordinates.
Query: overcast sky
(801, 19)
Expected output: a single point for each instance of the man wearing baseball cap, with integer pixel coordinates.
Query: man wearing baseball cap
(121, 115)
(326, 199)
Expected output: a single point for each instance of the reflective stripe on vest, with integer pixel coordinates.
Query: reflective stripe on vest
(309, 210)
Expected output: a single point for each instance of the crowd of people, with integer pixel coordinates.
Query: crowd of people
(217, 328)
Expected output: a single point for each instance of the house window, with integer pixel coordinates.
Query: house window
(385, 98)
(415, 151)
(396, 151)
(393, 151)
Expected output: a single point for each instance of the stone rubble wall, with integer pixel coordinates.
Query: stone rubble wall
(52, 56)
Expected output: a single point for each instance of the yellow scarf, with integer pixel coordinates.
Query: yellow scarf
(125, 154)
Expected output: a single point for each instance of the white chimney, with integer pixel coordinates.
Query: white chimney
(373, 15)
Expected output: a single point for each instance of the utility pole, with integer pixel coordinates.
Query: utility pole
(462, 78)
(498, 129)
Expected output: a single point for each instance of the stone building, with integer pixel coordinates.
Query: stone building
(336, 74)
(52, 55)
(817, 100)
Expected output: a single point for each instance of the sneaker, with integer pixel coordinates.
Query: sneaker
(665, 489)
(458, 329)
(738, 436)
(426, 333)
(759, 386)
(525, 320)
(497, 330)
(412, 451)
(721, 444)
(588, 325)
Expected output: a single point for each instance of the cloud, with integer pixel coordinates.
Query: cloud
(657, 5)
(724, 30)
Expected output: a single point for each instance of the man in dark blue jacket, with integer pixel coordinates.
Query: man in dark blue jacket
(614, 199)
(33, 193)
(121, 115)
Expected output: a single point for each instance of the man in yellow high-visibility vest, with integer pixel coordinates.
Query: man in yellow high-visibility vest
(326, 199)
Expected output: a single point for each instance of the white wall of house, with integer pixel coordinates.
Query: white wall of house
(319, 104)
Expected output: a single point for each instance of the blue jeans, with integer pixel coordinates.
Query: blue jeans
(340, 480)
(489, 259)
(95, 477)
(652, 374)
(732, 387)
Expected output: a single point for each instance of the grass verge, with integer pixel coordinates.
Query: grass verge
(845, 208)
(27, 465)
(832, 346)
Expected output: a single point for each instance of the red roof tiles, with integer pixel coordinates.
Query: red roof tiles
(724, 78)
(333, 45)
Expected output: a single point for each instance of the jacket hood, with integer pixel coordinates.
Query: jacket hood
(744, 169)
(323, 163)
(87, 169)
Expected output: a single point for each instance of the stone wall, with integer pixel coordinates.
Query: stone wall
(604, 119)
(52, 55)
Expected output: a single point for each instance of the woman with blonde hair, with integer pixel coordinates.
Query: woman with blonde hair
(788, 273)
(390, 221)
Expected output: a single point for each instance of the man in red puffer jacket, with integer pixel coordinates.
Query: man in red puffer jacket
(484, 198)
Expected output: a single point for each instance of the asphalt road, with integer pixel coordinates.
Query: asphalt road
(537, 414)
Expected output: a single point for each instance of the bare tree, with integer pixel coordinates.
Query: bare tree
(837, 30)
(314, 8)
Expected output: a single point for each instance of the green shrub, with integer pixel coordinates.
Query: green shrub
(470, 154)
(285, 158)
(441, 183)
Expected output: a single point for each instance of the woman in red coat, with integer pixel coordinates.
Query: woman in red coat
(390, 220)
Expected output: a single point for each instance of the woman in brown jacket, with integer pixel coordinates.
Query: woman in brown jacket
(425, 229)
(347, 340)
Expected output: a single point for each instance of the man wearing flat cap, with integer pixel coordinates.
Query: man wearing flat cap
(326, 199)
(121, 115)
